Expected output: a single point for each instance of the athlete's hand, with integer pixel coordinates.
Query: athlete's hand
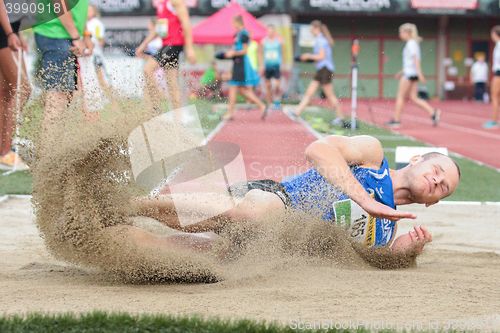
(229, 54)
(139, 52)
(305, 57)
(14, 42)
(414, 240)
(78, 47)
(398, 75)
(377, 209)
(421, 78)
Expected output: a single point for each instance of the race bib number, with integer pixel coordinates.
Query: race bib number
(162, 27)
(359, 224)
(272, 55)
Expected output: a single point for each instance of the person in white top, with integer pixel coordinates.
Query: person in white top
(495, 82)
(410, 75)
(479, 76)
(96, 29)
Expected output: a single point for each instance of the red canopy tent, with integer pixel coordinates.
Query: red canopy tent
(218, 29)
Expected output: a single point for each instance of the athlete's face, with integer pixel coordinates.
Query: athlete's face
(315, 30)
(403, 35)
(237, 25)
(432, 179)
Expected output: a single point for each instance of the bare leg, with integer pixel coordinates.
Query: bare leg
(330, 95)
(174, 92)
(269, 91)
(152, 92)
(56, 103)
(403, 91)
(311, 89)
(276, 83)
(495, 97)
(8, 84)
(146, 240)
(417, 100)
(249, 94)
(233, 90)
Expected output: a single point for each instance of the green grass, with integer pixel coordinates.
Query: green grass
(16, 183)
(476, 183)
(124, 323)
(20, 182)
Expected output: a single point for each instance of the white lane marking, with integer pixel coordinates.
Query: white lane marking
(456, 127)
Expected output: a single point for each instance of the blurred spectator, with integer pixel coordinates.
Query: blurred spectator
(174, 27)
(244, 77)
(97, 31)
(479, 76)
(272, 58)
(10, 44)
(495, 82)
(60, 42)
(210, 83)
(410, 76)
(323, 57)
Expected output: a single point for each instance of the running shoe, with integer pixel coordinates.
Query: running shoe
(490, 124)
(347, 124)
(436, 117)
(9, 160)
(393, 123)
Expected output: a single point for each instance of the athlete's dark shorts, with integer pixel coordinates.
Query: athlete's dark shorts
(59, 66)
(3, 37)
(266, 185)
(497, 73)
(272, 72)
(412, 78)
(324, 76)
(168, 56)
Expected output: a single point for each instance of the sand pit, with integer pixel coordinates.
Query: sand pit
(456, 281)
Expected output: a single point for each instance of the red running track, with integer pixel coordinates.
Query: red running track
(271, 149)
(460, 129)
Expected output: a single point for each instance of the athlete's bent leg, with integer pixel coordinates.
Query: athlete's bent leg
(257, 205)
(146, 240)
(254, 206)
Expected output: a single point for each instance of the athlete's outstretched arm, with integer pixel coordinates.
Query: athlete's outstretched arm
(332, 156)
